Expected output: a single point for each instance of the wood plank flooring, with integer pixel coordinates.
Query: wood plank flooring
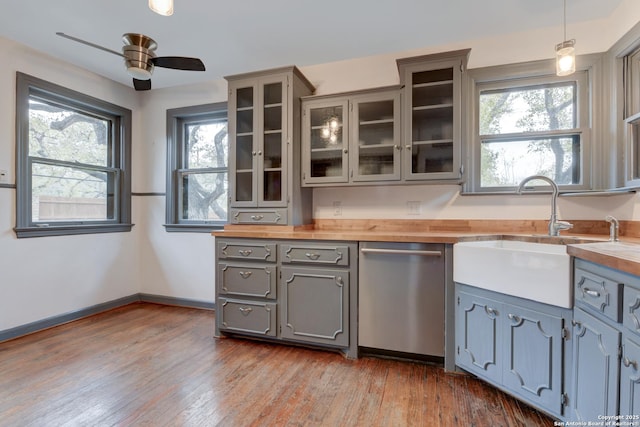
(154, 365)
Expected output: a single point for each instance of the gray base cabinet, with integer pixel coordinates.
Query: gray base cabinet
(606, 375)
(290, 291)
(515, 344)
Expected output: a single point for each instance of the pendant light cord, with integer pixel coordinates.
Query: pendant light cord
(565, 20)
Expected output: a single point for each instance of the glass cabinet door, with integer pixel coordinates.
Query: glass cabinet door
(433, 144)
(325, 142)
(242, 122)
(272, 151)
(375, 151)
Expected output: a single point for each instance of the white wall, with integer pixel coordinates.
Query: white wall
(43, 277)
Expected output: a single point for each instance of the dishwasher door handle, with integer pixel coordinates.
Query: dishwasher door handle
(400, 252)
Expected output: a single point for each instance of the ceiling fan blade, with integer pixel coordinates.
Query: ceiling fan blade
(142, 84)
(178, 63)
(75, 39)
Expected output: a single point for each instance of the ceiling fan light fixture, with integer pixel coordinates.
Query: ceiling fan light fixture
(162, 7)
(139, 73)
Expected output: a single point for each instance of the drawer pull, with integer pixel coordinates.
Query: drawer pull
(491, 311)
(257, 217)
(245, 252)
(628, 363)
(591, 293)
(245, 310)
(245, 274)
(312, 255)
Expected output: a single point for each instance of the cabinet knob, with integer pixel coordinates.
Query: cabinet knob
(259, 153)
(408, 147)
(398, 147)
(514, 317)
(345, 151)
(627, 362)
(491, 311)
(253, 153)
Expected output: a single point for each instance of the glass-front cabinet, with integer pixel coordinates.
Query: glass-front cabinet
(258, 122)
(264, 112)
(433, 115)
(350, 138)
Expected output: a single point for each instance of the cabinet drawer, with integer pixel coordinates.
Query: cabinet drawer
(631, 309)
(258, 216)
(247, 250)
(599, 293)
(315, 254)
(247, 280)
(247, 316)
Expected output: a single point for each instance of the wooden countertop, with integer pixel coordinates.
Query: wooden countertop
(589, 240)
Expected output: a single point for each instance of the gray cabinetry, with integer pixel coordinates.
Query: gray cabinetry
(432, 114)
(351, 138)
(264, 135)
(516, 344)
(606, 375)
(315, 305)
(294, 291)
(596, 368)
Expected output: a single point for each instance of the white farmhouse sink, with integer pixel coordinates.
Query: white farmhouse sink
(536, 271)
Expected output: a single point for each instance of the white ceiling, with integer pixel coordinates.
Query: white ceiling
(247, 35)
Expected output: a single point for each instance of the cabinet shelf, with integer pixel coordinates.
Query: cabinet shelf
(431, 84)
(320, 127)
(278, 105)
(272, 132)
(433, 142)
(241, 134)
(432, 107)
(272, 169)
(244, 171)
(244, 108)
(376, 122)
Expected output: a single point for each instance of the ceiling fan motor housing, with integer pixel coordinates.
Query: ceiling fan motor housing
(138, 52)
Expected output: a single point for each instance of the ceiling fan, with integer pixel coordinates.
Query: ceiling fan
(140, 58)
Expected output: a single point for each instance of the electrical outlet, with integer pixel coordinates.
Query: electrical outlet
(337, 208)
(413, 208)
(4, 176)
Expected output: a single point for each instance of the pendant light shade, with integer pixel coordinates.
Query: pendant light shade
(565, 51)
(162, 7)
(565, 58)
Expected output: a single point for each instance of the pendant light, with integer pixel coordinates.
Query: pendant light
(565, 51)
(162, 7)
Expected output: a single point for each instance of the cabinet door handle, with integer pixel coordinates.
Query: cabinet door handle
(514, 317)
(257, 217)
(245, 274)
(312, 255)
(576, 323)
(591, 293)
(339, 281)
(398, 147)
(408, 147)
(245, 310)
(491, 311)
(259, 153)
(245, 252)
(254, 153)
(345, 151)
(628, 363)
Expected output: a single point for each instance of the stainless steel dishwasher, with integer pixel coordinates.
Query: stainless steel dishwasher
(401, 297)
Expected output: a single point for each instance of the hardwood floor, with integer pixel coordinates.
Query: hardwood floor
(153, 365)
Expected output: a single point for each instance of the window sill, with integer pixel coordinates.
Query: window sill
(192, 228)
(68, 230)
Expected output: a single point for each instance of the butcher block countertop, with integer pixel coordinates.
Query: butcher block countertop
(587, 240)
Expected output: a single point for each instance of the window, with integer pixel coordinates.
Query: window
(533, 125)
(198, 176)
(73, 157)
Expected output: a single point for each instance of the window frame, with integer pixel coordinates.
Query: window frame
(177, 119)
(119, 156)
(529, 74)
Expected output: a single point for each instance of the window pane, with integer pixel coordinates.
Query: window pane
(506, 163)
(61, 193)
(204, 196)
(528, 109)
(206, 145)
(64, 134)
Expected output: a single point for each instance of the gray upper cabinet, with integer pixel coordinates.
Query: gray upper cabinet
(352, 138)
(432, 115)
(264, 135)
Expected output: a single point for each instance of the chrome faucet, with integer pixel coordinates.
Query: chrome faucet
(554, 225)
(614, 228)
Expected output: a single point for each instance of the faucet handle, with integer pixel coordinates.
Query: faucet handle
(614, 228)
(563, 225)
